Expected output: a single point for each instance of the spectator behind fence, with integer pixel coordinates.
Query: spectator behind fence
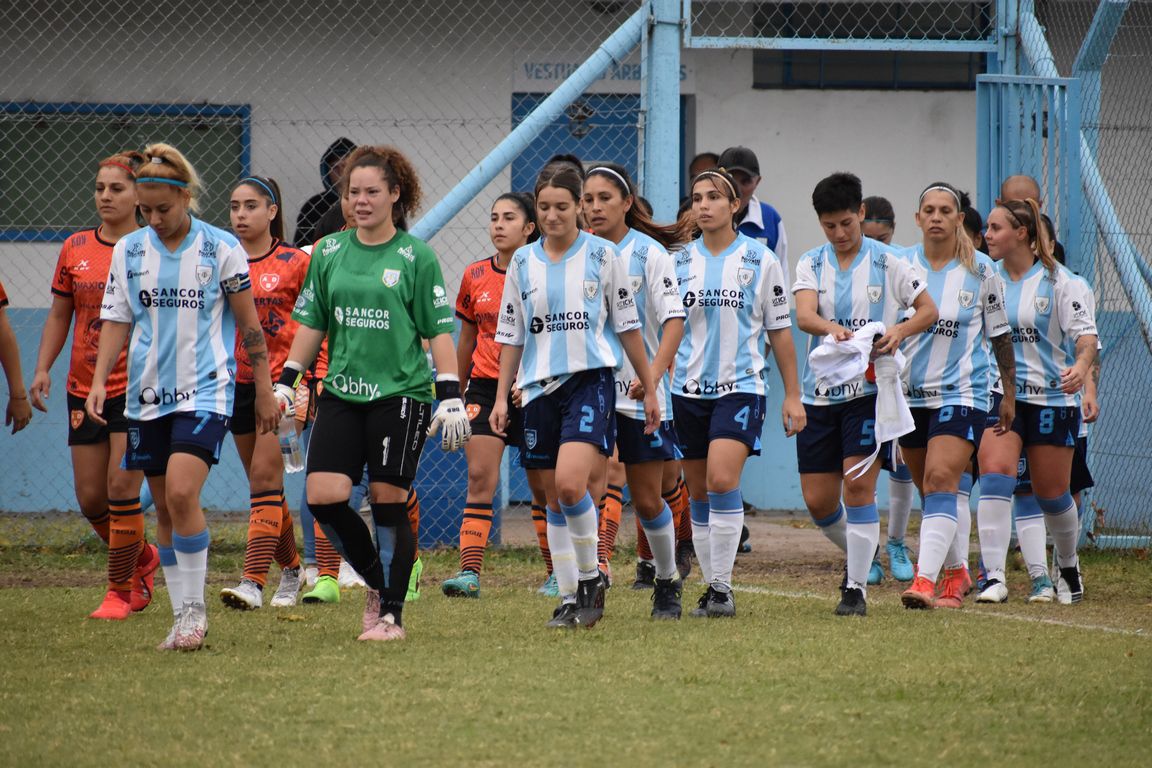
(315, 208)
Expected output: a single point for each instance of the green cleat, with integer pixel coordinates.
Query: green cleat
(414, 581)
(325, 591)
(463, 584)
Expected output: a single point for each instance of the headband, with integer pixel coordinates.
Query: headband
(605, 169)
(256, 181)
(940, 188)
(121, 166)
(720, 176)
(158, 180)
(882, 221)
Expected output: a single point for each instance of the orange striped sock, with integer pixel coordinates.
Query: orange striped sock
(611, 511)
(643, 549)
(474, 530)
(125, 537)
(264, 523)
(287, 555)
(327, 558)
(540, 523)
(100, 524)
(678, 502)
(414, 520)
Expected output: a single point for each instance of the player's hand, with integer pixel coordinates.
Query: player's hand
(888, 343)
(41, 386)
(94, 405)
(285, 399)
(451, 416)
(636, 390)
(1072, 379)
(269, 411)
(498, 417)
(840, 333)
(517, 397)
(18, 413)
(651, 412)
(1089, 408)
(794, 416)
(1007, 414)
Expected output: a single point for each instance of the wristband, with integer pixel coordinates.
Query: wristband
(291, 374)
(446, 389)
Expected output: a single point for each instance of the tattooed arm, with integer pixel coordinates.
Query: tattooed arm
(1072, 379)
(1006, 362)
(252, 337)
(1089, 400)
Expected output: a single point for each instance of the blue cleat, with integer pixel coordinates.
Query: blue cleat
(899, 563)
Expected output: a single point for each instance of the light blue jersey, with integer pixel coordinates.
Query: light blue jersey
(731, 299)
(652, 278)
(565, 314)
(1048, 314)
(180, 353)
(950, 364)
(879, 285)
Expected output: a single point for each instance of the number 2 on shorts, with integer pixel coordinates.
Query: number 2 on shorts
(586, 419)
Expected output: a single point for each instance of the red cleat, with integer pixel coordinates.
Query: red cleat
(144, 577)
(922, 594)
(116, 607)
(953, 587)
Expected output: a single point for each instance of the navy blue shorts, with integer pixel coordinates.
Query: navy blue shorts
(635, 447)
(581, 410)
(835, 432)
(1041, 424)
(957, 420)
(699, 421)
(151, 443)
(1081, 476)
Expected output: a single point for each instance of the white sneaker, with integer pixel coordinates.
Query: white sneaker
(246, 596)
(994, 592)
(192, 627)
(289, 588)
(1070, 585)
(311, 573)
(349, 579)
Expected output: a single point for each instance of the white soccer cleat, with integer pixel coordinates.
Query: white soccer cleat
(246, 596)
(349, 579)
(311, 573)
(289, 588)
(994, 592)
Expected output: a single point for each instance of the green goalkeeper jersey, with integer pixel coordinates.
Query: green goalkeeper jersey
(375, 302)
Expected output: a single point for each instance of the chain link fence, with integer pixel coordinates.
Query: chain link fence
(266, 87)
(1120, 134)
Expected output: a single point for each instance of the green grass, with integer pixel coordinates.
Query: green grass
(484, 683)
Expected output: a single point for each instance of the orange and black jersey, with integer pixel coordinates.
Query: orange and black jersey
(478, 302)
(81, 275)
(277, 278)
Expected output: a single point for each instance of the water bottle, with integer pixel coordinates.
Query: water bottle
(290, 444)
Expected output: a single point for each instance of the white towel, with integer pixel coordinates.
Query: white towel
(835, 362)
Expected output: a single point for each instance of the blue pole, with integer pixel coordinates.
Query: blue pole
(614, 49)
(660, 158)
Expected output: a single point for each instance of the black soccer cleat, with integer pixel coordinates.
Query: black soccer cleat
(564, 617)
(721, 605)
(645, 575)
(666, 599)
(852, 603)
(701, 609)
(589, 601)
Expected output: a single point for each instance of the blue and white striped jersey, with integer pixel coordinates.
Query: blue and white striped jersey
(180, 353)
(565, 314)
(879, 285)
(1048, 313)
(652, 277)
(730, 299)
(950, 363)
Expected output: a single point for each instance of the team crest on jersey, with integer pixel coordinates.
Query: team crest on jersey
(530, 438)
(204, 274)
(1042, 304)
(637, 281)
(591, 288)
(744, 276)
(965, 298)
(76, 418)
(875, 293)
(134, 437)
(473, 410)
(391, 277)
(269, 281)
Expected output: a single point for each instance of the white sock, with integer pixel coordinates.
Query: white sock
(835, 529)
(862, 534)
(994, 522)
(701, 538)
(172, 578)
(901, 491)
(563, 556)
(937, 531)
(1064, 525)
(961, 542)
(725, 523)
(1032, 535)
(192, 561)
(582, 527)
(661, 535)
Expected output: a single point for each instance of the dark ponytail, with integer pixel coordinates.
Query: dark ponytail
(527, 205)
(266, 187)
(670, 236)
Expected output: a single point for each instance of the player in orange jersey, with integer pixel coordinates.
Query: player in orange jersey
(97, 450)
(277, 273)
(18, 413)
(512, 225)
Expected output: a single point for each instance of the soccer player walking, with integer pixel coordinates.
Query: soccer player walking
(180, 287)
(376, 291)
(566, 314)
(733, 292)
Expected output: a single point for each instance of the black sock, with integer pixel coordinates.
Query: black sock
(352, 539)
(397, 551)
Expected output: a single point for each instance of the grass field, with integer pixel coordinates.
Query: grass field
(484, 683)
